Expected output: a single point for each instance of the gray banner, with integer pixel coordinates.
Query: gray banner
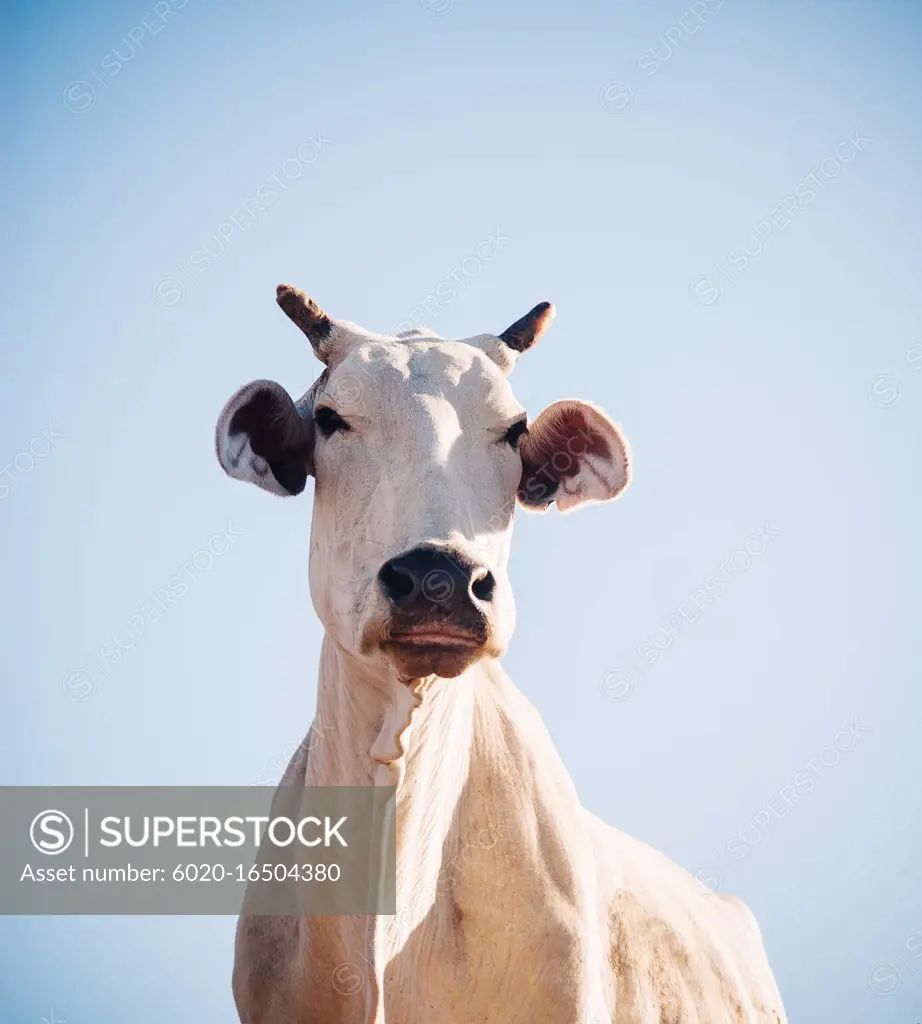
(197, 850)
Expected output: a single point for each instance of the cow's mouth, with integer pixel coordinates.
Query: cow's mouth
(434, 648)
(436, 636)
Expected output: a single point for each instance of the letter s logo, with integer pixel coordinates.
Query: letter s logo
(51, 832)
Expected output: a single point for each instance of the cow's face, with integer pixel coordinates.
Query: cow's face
(419, 449)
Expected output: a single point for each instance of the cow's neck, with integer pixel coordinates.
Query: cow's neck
(363, 735)
(477, 756)
(372, 730)
(486, 812)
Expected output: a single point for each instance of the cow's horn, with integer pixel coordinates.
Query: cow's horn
(303, 311)
(525, 332)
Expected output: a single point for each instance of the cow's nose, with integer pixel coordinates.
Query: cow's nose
(429, 575)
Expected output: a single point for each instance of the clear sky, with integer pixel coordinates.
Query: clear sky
(723, 202)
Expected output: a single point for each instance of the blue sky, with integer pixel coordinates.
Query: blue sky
(723, 205)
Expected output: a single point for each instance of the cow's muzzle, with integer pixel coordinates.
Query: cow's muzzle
(439, 602)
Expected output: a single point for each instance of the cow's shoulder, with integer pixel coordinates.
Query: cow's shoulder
(679, 952)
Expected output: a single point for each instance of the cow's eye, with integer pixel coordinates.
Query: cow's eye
(514, 434)
(328, 421)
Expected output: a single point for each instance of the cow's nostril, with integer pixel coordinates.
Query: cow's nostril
(483, 587)
(397, 584)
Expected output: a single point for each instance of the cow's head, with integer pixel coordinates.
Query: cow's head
(419, 450)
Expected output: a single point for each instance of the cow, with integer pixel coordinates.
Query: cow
(515, 905)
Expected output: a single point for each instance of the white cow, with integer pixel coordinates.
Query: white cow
(515, 905)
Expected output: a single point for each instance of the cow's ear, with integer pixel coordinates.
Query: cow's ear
(264, 438)
(571, 454)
